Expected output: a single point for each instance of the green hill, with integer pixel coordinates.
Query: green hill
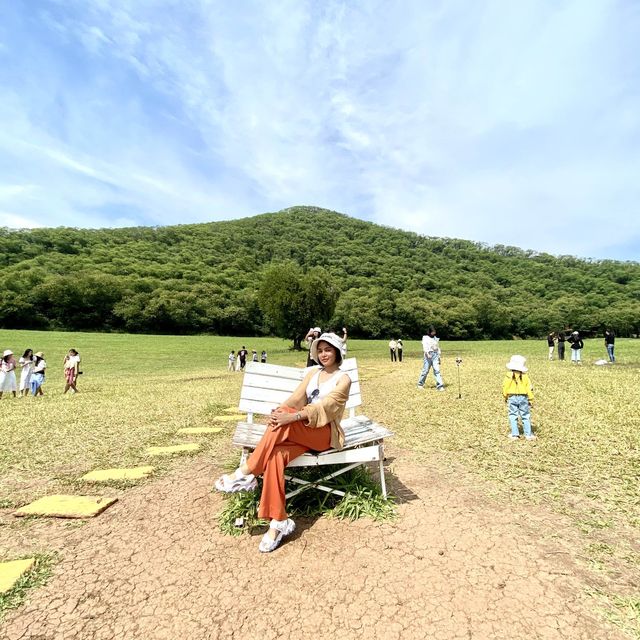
(205, 277)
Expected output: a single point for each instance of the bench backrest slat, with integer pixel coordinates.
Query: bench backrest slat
(265, 386)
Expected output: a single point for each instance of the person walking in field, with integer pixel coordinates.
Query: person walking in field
(254, 355)
(263, 357)
(561, 339)
(308, 420)
(431, 359)
(576, 347)
(551, 344)
(393, 345)
(71, 366)
(242, 357)
(517, 391)
(26, 362)
(232, 361)
(609, 343)
(399, 347)
(37, 375)
(8, 373)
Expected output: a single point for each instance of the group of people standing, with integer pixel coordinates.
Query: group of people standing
(239, 362)
(577, 344)
(33, 368)
(395, 349)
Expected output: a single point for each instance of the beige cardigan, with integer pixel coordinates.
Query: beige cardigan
(328, 411)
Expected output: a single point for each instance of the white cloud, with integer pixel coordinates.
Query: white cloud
(450, 119)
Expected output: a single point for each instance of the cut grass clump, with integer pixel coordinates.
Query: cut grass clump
(35, 577)
(362, 499)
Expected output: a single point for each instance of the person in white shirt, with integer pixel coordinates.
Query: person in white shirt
(7, 373)
(37, 375)
(71, 365)
(431, 349)
(392, 350)
(26, 362)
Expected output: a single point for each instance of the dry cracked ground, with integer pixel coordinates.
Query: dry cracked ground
(455, 564)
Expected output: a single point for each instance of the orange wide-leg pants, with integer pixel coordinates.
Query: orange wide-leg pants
(274, 452)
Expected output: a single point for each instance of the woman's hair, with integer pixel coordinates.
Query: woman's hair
(6, 358)
(513, 375)
(75, 353)
(37, 359)
(27, 352)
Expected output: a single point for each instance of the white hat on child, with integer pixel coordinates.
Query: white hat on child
(8, 352)
(517, 363)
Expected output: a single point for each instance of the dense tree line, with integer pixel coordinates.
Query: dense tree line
(211, 278)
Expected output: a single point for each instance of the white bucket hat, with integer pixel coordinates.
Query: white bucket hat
(8, 352)
(331, 338)
(517, 363)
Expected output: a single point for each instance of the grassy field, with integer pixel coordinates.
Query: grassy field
(137, 391)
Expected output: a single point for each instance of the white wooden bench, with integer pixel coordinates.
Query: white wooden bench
(265, 386)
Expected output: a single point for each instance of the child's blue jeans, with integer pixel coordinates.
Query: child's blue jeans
(519, 406)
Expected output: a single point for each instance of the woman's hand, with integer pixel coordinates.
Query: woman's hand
(280, 418)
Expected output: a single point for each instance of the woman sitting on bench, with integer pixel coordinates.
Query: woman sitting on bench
(309, 420)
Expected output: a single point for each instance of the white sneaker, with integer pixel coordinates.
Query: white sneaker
(284, 528)
(227, 484)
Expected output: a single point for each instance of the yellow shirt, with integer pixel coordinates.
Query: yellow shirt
(516, 383)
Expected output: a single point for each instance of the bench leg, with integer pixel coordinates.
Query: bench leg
(383, 484)
(315, 483)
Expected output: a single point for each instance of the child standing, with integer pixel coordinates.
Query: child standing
(232, 361)
(518, 394)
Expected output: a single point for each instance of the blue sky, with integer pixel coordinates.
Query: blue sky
(496, 121)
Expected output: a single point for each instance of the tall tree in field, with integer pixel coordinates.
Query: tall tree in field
(293, 300)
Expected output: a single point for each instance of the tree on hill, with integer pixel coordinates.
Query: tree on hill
(292, 300)
(197, 278)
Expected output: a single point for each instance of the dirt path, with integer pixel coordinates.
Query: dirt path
(454, 565)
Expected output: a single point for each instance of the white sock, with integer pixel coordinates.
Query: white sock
(237, 474)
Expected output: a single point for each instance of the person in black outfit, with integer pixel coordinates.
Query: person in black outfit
(561, 339)
(242, 355)
(551, 344)
(576, 347)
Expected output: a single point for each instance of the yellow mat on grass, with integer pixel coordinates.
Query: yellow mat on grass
(11, 571)
(192, 430)
(176, 448)
(62, 506)
(101, 475)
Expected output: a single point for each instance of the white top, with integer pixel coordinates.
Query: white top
(325, 388)
(430, 345)
(392, 344)
(26, 364)
(8, 366)
(40, 367)
(71, 362)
